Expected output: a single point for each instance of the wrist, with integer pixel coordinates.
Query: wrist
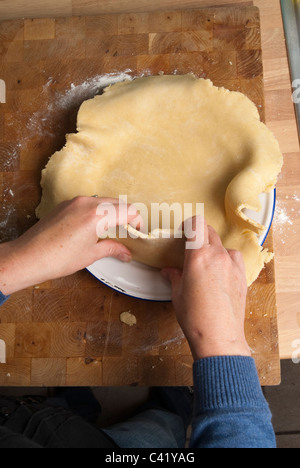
(204, 348)
(15, 273)
(7, 261)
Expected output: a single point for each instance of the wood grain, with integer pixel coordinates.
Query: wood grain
(73, 323)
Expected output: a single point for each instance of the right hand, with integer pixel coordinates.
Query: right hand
(209, 297)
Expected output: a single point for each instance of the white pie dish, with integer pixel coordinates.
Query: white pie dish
(143, 282)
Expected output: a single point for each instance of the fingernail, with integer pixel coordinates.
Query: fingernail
(124, 257)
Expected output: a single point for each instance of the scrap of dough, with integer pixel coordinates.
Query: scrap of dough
(171, 139)
(128, 318)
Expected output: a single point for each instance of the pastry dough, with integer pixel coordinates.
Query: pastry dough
(171, 139)
(128, 318)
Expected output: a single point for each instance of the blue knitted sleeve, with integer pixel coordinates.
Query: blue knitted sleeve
(230, 408)
(3, 298)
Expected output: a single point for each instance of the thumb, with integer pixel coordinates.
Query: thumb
(172, 275)
(110, 248)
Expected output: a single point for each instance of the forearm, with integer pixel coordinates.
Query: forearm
(61, 244)
(16, 271)
(230, 409)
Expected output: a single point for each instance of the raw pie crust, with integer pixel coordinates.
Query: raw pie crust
(171, 139)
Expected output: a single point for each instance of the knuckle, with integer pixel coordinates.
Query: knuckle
(78, 201)
(236, 255)
(222, 256)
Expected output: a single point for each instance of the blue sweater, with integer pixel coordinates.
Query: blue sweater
(2, 298)
(230, 409)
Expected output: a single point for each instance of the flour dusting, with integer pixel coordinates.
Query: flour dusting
(89, 88)
(50, 122)
(71, 99)
(282, 218)
(296, 197)
(285, 217)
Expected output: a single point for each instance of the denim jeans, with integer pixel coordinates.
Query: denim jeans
(152, 428)
(67, 421)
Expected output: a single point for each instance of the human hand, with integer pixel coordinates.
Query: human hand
(61, 244)
(209, 297)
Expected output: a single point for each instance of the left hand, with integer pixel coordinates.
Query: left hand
(59, 245)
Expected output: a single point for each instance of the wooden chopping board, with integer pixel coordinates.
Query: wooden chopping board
(68, 331)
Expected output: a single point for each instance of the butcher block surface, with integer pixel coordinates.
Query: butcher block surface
(68, 331)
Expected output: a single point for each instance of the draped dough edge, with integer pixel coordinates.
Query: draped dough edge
(242, 192)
